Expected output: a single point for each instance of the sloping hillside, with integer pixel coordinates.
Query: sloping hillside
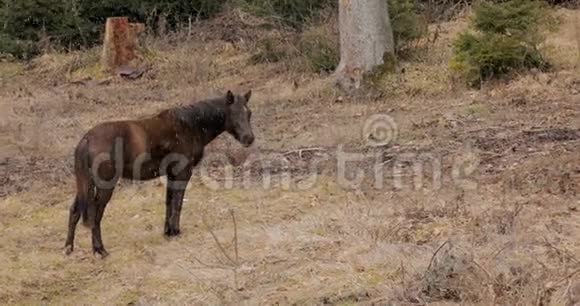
(492, 216)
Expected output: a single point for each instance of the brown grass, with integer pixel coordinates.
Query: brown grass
(511, 241)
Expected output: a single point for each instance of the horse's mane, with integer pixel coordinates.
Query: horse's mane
(206, 113)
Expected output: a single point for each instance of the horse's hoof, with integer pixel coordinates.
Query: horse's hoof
(172, 233)
(68, 250)
(100, 253)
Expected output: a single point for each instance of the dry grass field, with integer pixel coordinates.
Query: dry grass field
(492, 219)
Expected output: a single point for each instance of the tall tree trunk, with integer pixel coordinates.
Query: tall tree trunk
(578, 40)
(366, 39)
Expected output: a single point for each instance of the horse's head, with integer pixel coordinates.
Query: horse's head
(238, 116)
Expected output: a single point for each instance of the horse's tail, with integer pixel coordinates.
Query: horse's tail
(85, 184)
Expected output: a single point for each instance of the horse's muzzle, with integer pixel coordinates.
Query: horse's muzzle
(247, 140)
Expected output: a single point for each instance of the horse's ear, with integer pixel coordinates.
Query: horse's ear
(248, 95)
(230, 99)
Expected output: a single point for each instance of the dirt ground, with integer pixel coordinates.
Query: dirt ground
(492, 217)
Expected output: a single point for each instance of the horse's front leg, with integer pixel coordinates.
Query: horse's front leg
(176, 186)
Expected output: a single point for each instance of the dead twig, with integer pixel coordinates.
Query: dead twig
(435, 254)
(232, 263)
(217, 242)
(210, 266)
(235, 235)
(300, 151)
(567, 279)
(565, 253)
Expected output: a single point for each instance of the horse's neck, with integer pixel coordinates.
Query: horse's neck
(209, 124)
(209, 133)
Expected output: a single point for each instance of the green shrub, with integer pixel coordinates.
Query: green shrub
(19, 49)
(291, 12)
(505, 37)
(30, 20)
(149, 11)
(320, 49)
(513, 17)
(315, 50)
(442, 10)
(408, 24)
(491, 55)
(270, 50)
(72, 24)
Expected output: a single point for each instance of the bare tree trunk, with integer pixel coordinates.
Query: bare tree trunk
(578, 40)
(366, 39)
(119, 45)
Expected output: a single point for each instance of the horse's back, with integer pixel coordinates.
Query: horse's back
(104, 137)
(141, 145)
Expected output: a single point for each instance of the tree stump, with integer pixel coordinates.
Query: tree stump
(120, 42)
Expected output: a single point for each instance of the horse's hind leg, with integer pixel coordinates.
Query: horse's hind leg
(75, 215)
(102, 199)
(168, 210)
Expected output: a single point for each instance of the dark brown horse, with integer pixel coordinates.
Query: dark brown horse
(169, 144)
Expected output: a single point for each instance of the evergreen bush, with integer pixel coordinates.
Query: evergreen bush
(407, 22)
(504, 37)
